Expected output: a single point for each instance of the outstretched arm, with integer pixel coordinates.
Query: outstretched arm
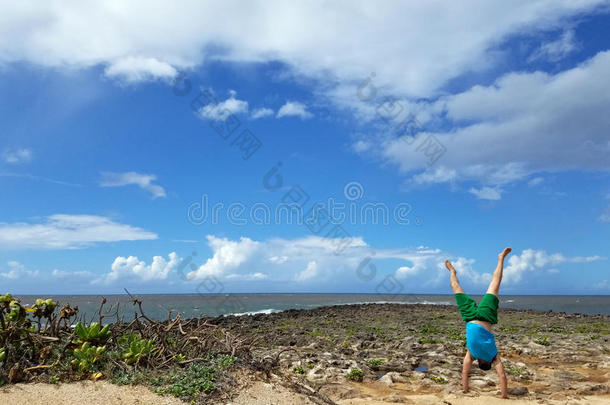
(466, 370)
(502, 375)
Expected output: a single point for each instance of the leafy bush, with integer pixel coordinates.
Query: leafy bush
(375, 362)
(355, 374)
(439, 379)
(138, 349)
(197, 378)
(92, 333)
(86, 357)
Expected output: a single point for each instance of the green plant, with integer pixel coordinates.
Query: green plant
(2, 355)
(189, 383)
(299, 370)
(514, 370)
(179, 358)
(375, 362)
(225, 361)
(439, 379)
(315, 333)
(428, 329)
(428, 340)
(53, 379)
(544, 341)
(138, 349)
(355, 374)
(86, 357)
(92, 333)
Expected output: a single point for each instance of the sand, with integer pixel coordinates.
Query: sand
(259, 393)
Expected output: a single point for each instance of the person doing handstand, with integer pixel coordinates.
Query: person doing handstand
(480, 341)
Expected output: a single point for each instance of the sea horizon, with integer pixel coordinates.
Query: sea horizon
(215, 304)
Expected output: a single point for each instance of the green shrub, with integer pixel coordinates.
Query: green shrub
(92, 333)
(2, 355)
(138, 349)
(299, 370)
(355, 374)
(375, 362)
(189, 383)
(86, 357)
(438, 379)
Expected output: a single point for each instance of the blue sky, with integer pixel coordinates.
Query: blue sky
(426, 131)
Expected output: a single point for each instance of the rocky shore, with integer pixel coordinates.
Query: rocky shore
(372, 354)
(390, 352)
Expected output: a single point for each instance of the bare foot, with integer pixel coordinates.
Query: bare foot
(505, 253)
(449, 265)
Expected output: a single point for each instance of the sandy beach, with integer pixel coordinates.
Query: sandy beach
(404, 353)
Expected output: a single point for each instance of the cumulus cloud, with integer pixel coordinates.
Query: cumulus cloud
(524, 123)
(261, 113)
(221, 110)
(227, 256)
(143, 40)
(535, 260)
(126, 267)
(17, 156)
(294, 109)
(68, 232)
(144, 181)
(310, 272)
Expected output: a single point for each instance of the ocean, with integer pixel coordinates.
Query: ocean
(193, 305)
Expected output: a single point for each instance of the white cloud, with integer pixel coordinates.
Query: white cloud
(524, 123)
(68, 232)
(262, 113)
(144, 181)
(311, 271)
(486, 193)
(136, 69)
(17, 271)
(556, 50)
(220, 111)
(17, 156)
(125, 267)
(143, 40)
(294, 109)
(440, 174)
(534, 260)
(227, 255)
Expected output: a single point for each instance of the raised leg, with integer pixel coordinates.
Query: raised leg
(496, 278)
(455, 284)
